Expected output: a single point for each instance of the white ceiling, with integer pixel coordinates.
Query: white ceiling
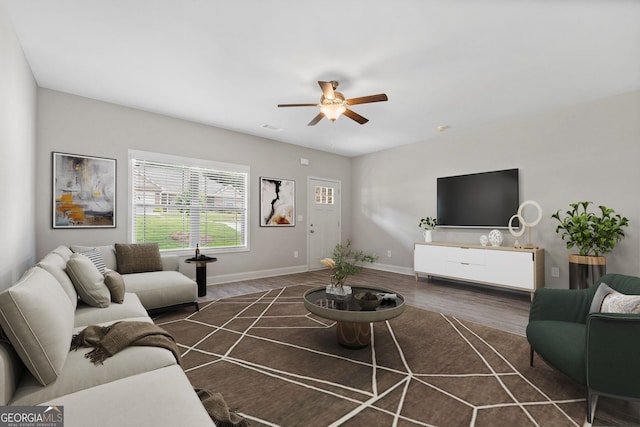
(228, 63)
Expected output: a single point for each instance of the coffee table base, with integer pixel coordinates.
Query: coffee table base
(353, 335)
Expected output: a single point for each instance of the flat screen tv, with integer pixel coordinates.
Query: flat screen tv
(480, 200)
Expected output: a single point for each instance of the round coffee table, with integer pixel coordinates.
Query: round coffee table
(352, 322)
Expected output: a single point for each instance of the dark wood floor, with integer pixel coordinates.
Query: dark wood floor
(498, 308)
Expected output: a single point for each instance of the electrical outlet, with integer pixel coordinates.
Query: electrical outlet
(555, 272)
(295, 254)
(389, 253)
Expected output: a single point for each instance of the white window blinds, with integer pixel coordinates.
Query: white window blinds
(180, 205)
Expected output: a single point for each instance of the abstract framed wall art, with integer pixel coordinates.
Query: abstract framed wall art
(84, 191)
(277, 202)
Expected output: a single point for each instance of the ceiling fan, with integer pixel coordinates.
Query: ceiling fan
(333, 104)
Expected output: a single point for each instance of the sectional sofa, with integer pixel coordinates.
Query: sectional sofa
(60, 296)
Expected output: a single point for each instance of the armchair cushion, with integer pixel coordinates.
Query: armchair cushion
(560, 344)
(612, 353)
(597, 349)
(566, 305)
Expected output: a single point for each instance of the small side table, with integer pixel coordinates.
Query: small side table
(201, 272)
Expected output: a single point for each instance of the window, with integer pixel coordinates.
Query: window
(180, 202)
(324, 195)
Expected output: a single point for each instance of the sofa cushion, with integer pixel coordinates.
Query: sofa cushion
(78, 373)
(163, 398)
(158, 289)
(55, 264)
(107, 251)
(88, 281)
(131, 307)
(115, 284)
(64, 252)
(36, 316)
(138, 257)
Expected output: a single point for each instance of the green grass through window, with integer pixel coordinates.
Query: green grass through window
(171, 230)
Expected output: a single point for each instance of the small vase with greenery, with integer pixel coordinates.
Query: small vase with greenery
(592, 234)
(428, 224)
(345, 262)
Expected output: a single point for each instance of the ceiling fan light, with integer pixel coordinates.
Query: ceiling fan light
(332, 111)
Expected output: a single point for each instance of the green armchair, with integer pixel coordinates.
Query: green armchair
(598, 350)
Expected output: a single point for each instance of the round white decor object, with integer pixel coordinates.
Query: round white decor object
(538, 209)
(484, 240)
(522, 226)
(495, 238)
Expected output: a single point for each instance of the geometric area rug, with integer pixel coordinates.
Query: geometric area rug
(279, 365)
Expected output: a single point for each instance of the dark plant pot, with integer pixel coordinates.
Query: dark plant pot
(584, 271)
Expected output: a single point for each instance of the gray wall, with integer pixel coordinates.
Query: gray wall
(17, 163)
(586, 152)
(71, 124)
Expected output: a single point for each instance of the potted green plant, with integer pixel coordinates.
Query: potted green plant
(344, 262)
(428, 224)
(594, 235)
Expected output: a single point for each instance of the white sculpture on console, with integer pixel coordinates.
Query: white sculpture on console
(525, 225)
(495, 237)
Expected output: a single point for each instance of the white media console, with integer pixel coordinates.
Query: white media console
(507, 267)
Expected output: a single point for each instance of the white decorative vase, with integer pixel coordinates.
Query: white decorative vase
(428, 236)
(495, 238)
(339, 291)
(484, 240)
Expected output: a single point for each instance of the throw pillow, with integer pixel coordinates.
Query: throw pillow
(115, 283)
(138, 257)
(96, 258)
(596, 303)
(88, 281)
(107, 251)
(36, 316)
(615, 302)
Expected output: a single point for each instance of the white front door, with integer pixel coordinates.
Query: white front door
(324, 219)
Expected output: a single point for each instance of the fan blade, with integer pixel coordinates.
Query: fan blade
(298, 105)
(327, 90)
(316, 119)
(367, 99)
(355, 116)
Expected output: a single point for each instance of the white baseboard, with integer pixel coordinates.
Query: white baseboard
(259, 274)
(393, 269)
